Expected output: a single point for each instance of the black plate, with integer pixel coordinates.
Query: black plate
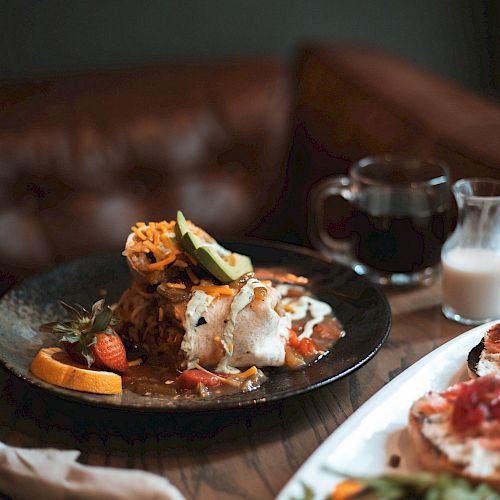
(360, 307)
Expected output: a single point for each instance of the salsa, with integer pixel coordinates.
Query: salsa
(314, 331)
(476, 404)
(198, 317)
(152, 379)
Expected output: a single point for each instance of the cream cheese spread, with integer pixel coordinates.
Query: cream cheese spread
(488, 362)
(466, 452)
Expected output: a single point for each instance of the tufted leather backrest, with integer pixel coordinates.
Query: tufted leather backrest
(83, 157)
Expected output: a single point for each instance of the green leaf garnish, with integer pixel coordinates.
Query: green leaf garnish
(102, 319)
(75, 310)
(422, 486)
(307, 494)
(97, 308)
(81, 330)
(63, 328)
(70, 337)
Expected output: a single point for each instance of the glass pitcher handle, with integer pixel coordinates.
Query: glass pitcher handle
(336, 249)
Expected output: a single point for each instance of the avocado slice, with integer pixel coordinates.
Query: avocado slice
(207, 257)
(185, 237)
(190, 243)
(221, 269)
(181, 227)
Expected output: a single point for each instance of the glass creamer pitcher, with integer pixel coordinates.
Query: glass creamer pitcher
(471, 256)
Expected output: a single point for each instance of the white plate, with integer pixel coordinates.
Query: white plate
(363, 444)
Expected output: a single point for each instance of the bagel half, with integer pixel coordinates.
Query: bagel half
(432, 454)
(484, 358)
(473, 359)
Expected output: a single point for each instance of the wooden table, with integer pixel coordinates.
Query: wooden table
(241, 454)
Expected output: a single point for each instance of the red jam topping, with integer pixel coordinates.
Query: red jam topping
(492, 339)
(474, 402)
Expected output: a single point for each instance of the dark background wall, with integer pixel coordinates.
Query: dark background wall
(38, 38)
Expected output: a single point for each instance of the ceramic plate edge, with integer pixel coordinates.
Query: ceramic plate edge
(69, 395)
(294, 488)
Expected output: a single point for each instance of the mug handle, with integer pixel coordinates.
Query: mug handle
(337, 249)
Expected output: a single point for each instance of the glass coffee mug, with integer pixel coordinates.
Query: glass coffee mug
(400, 218)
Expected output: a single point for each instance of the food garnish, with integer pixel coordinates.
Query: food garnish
(457, 431)
(89, 337)
(417, 486)
(53, 365)
(202, 321)
(189, 379)
(224, 268)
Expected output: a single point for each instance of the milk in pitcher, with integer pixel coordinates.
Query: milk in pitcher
(471, 256)
(471, 282)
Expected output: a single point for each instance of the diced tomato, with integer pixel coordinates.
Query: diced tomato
(189, 379)
(495, 409)
(307, 347)
(293, 341)
(476, 401)
(465, 418)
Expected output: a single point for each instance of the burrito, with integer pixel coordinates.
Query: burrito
(196, 303)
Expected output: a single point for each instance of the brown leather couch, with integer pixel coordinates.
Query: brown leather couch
(236, 145)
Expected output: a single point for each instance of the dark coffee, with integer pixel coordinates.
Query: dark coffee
(406, 239)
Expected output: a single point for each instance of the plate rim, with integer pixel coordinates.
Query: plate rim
(339, 434)
(74, 396)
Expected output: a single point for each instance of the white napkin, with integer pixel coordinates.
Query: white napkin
(55, 474)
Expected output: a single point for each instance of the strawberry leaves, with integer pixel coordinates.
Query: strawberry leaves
(101, 317)
(80, 352)
(79, 333)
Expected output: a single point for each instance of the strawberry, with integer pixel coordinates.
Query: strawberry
(90, 339)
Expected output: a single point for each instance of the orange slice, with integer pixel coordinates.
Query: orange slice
(54, 366)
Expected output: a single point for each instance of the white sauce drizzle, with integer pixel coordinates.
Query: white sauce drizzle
(200, 302)
(302, 306)
(240, 301)
(196, 307)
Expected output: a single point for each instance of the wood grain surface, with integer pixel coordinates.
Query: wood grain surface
(233, 455)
